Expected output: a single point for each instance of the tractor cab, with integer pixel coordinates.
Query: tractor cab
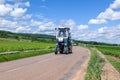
(62, 33)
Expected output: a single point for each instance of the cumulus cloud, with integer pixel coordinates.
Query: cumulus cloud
(115, 5)
(8, 24)
(67, 23)
(27, 4)
(35, 23)
(109, 14)
(27, 16)
(103, 34)
(4, 10)
(42, 27)
(82, 27)
(25, 29)
(97, 21)
(14, 26)
(48, 26)
(18, 12)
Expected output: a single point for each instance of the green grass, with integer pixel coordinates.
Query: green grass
(112, 53)
(9, 57)
(110, 50)
(114, 61)
(14, 45)
(95, 65)
(7, 45)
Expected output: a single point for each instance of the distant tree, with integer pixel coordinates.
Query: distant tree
(17, 38)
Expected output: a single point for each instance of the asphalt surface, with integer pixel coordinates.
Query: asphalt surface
(46, 67)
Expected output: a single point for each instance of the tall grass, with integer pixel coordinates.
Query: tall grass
(95, 65)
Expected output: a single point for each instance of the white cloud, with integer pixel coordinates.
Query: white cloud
(35, 23)
(49, 26)
(97, 21)
(82, 27)
(14, 11)
(106, 15)
(18, 12)
(67, 23)
(4, 10)
(115, 5)
(27, 4)
(14, 26)
(25, 29)
(102, 30)
(42, 27)
(8, 24)
(111, 13)
(103, 34)
(27, 16)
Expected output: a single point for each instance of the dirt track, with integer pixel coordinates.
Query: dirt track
(47, 67)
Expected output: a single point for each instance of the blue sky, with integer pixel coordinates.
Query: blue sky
(89, 20)
(79, 10)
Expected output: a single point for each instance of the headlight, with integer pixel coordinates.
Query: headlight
(60, 39)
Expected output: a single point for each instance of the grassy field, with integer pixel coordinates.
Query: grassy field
(110, 50)
(9, 57)
(7, 45)
(95, 65)
(37, 48)
(112, 53)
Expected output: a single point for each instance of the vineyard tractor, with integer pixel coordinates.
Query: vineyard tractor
(63, 41)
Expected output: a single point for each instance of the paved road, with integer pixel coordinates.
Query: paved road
(45, 67)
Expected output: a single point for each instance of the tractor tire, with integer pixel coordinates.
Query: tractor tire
(56, 53)
(61, 51)
(66, 52)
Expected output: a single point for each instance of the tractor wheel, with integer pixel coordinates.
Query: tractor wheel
(56, 53)
(66, 52)
(61, 51)
(56, 50)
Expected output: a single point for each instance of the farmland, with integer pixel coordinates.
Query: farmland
(7, 45)
(13, 45)
(112, 53)
(34, 44)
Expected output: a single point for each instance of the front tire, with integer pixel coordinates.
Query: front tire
(56, 53)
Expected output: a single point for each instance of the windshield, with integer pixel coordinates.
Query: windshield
(62, 33)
